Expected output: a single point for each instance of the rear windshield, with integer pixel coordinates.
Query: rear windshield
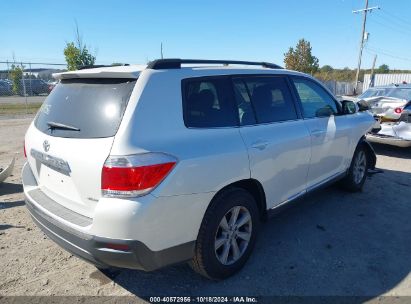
(85, 108)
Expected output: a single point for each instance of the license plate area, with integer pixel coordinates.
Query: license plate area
(52, 162)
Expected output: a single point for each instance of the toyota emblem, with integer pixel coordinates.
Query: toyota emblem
(46, 146)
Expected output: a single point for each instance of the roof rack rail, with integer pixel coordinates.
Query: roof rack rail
(83, 67)
(175, 63)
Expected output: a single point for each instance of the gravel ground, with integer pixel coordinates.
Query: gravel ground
(329, 243)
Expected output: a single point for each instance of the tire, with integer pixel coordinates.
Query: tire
(357, 173)
(215, 237)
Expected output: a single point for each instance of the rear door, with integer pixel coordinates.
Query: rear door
(277, 140)
(330, 131)
(72, 136)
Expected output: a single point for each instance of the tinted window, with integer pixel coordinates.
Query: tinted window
(263, 100)
(245, 109)
(316, 102)
(208, 103)
(95, 106)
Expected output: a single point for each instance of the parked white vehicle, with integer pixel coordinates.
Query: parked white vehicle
(396, 133)
(387, 102)
(146, 166)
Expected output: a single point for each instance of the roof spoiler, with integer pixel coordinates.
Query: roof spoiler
(176, 63)
(85, 67)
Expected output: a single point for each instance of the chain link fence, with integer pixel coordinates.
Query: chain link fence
(27, 81)
(33, 81)
(343, 88)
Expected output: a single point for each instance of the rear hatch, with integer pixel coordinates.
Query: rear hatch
(71, 137)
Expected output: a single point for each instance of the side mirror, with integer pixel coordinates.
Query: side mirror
(363, 106)
(349, 107)
(324, 112)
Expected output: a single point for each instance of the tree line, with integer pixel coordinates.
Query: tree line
(300, 58)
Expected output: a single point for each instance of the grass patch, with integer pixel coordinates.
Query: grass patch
(19, 108)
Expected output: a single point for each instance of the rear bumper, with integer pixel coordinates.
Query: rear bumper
(98, 250)
(389, 140)
(95, 249)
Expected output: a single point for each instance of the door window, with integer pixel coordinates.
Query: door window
(263, 100)
(315, 101)
(208, 103)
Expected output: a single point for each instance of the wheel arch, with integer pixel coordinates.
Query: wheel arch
(371, 156)
(255, 188)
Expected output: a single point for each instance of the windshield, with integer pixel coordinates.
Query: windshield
(85, 108)
(402, 93)
(373, 93)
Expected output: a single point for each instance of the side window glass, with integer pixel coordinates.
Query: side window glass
(264, 100)
(245, 109)
(316, 102)
(208, 103)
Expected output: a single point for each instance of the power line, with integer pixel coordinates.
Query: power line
(393, 28)
(391, 20)
(386, 53)
(399, 18)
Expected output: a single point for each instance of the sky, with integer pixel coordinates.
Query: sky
(131, 31)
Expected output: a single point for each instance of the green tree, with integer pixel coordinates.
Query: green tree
(77, 53)
(301, 58)
(16, 74)
(77, 57)
(383, 69)
(326, 69)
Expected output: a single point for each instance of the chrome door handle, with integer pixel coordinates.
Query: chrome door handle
(260, 145)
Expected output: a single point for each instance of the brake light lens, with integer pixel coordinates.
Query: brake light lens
(398, 110)
(24, 149)
(135, 175)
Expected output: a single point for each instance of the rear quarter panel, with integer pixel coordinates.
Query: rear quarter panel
(209, 159)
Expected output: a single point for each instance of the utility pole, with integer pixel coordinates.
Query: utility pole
(364, 21)
(372, 71)
(161, 50)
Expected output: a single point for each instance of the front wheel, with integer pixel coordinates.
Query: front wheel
(357, 173)
(227, 234)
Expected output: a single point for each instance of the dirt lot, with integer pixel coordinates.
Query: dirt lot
(330, 243)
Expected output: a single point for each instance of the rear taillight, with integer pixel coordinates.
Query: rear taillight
(24, 149)
(134, 175)
(398, 110)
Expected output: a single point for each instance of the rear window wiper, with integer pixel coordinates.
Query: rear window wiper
(57, 125)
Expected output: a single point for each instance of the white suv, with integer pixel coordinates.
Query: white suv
(180, 160)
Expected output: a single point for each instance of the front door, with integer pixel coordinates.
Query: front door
(330, 131)
(277, 140)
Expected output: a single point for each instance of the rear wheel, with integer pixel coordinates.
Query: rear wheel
(357, 173)
(227, 234)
